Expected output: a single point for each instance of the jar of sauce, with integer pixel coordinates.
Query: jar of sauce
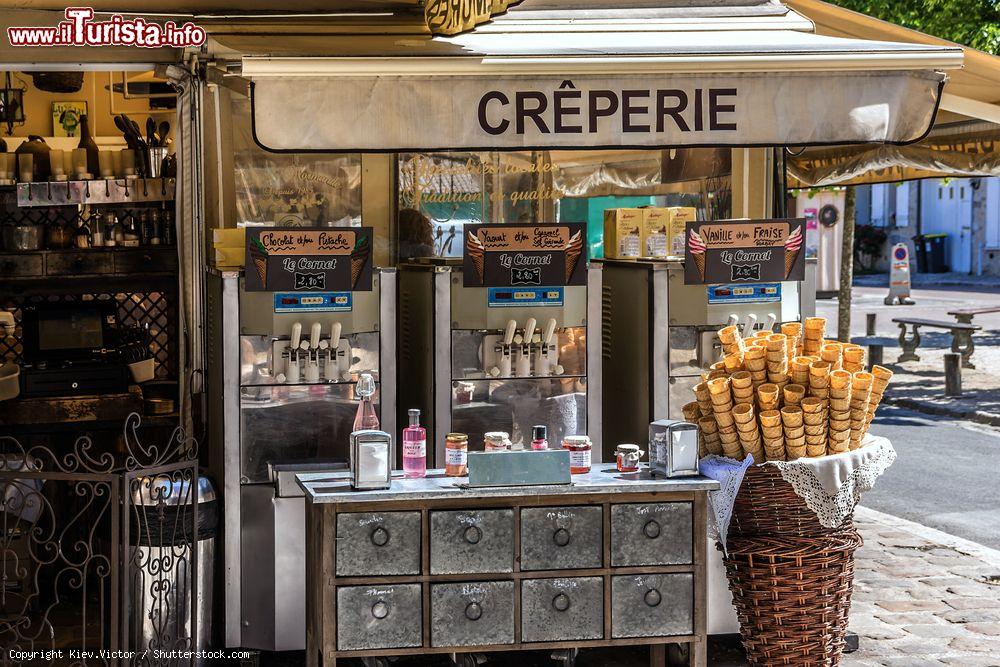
(496, 441)
(627, 458)
(580, 450)
(456, 455)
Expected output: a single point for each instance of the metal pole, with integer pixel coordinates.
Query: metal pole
(870, 324)
(952, 374)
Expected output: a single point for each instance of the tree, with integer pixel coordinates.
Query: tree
(974, 23)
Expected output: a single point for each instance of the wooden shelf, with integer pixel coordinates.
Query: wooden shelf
(75, 263)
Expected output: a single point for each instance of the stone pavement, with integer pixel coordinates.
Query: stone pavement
(918, 280)
(922, 597)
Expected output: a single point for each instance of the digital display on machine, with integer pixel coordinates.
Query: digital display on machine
(324, 302)
(759, 293)
(516, 297)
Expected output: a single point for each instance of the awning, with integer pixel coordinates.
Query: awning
(639, 78)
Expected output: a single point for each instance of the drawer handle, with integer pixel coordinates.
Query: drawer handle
(473, 534)
(560, 602)
(652, 597)
(380, 610)
(473, 611)
(380, 537)
(651, 529)
(561, 537)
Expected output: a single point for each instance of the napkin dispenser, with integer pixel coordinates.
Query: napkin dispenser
(371, 460)
(673, 448)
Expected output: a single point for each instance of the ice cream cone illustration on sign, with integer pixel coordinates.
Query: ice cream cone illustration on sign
(793, 246)
(696, 248)
(258, 253)
(574, 247)
(359, 256)
(475, 249)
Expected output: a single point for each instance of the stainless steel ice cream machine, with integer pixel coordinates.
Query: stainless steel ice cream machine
(659, 335)
(480, 359)
(283, 376)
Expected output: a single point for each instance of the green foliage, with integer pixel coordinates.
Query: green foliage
(975, 23)
(868, 243)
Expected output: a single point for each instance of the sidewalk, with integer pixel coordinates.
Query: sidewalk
(924, 280)
(922, 597)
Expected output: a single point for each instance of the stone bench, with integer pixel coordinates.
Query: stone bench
(965, 315)
(961, 337)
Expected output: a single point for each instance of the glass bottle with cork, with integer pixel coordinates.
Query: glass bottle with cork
(414, 447)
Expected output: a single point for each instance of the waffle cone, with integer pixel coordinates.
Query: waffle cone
(772, 433)
(733, 450)
(701, 391)
(838, 447)
(880, 378)
(770, 418)
(754, 448)
(815, 451)
(708, 425)
(733, 362)
(794, 433)
(793, 452)
(699, 262)
(740, 380)
(692, 412)
(793, 394)
(840, 404)
(815, 431)
(724, 419)
(791, 416)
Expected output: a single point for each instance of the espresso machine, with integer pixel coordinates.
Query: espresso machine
(477, 359)
(660, 335)
(283, 375)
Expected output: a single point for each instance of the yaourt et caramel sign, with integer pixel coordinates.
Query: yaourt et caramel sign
(524, 255)
(744, 251)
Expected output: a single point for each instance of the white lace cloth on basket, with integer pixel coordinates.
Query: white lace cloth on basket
(832, 485)
(729, 474)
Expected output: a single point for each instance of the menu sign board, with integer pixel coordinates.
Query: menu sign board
(744, 251)
(524, 255)
(327, 259)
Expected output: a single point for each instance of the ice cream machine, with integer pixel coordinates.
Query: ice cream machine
(283, 370)
(659, 335)
(486, 358)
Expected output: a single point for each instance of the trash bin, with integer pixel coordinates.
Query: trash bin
(161, 567)
(930, 253)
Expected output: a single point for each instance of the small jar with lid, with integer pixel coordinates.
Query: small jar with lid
(580, 450)
(496, 441)
(456, 455)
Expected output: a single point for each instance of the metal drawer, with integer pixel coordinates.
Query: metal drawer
(562, 609)
(652, 605)
(651, 534)
(370, 617)
(558, 538)
(472, 614)
(146, 260)
(472, 541)
(372, 544)
(77, 263)
(15, 266)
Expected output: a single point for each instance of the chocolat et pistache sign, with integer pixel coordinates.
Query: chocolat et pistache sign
(744, 251)
(524, 255)
(331, 259)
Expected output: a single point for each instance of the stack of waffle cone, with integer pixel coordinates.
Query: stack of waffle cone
(880, 380)
(704, 397)
(794, 431)
(819, 379)
(755, 361)
(854, 358)
(733, 363)
(793, 331)
(792, 394)
(840, 412)
(799, 370)
(861, 389)
(831, 353)
(749, 434)
(692, 414)
(767, 397)
(813, 334)
(710, 435)
(773, 435)
(722, 406)
(732, 341)
(742, 387)
(777, 359)
(815, 418)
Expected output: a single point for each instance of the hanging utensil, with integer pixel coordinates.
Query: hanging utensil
(151, 131)
(163, 130)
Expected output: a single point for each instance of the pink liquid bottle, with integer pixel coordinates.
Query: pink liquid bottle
(414, 447)
(366, 417)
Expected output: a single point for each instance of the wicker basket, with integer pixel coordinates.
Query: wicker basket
(790, 577)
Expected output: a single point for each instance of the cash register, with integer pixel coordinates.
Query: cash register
(72, 349)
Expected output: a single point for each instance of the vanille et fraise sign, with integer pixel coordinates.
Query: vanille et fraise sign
(80, 29)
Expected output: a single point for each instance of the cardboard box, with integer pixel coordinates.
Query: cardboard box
(656, 232)
(679, 217)
(623, 233)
